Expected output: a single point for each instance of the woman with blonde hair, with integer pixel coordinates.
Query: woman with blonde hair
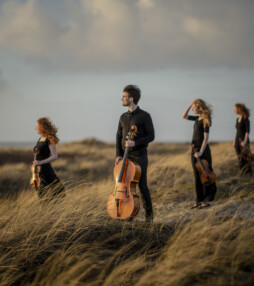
(242, 137)
(201, 149)
(45, 152)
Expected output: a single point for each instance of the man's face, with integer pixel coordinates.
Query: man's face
(126, 100)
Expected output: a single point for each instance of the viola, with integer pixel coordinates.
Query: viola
(123, 202)
(35, 180)
(207, 176)
(246, 152)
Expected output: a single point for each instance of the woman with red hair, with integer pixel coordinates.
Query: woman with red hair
(242, 137)
(46, 152)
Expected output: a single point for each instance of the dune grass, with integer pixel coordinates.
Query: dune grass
(72, 241)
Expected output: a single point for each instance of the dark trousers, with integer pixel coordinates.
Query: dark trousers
(204, 192)
(243, 164)
(145, 193)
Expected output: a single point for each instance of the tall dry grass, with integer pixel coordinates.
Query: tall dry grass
(72, 241)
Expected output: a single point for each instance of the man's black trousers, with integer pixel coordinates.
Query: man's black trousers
(145, 193)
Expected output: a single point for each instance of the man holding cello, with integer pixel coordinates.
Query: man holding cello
(137, 148)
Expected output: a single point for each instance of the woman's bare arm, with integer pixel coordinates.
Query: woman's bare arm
(245, 139)
(185, 114)
(204, 144)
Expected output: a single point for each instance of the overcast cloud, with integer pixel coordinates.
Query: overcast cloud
(131, 34)
(70, 59)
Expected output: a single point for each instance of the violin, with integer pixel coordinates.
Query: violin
(123, 202)
(35, 180)
(246, 152)
(206, 175)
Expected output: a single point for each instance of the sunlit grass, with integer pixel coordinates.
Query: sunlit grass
(72, 241)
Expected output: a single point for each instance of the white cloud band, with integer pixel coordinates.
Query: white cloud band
(130, 34)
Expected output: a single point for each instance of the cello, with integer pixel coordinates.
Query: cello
(35, 180)
(206, 175)
(123, 202)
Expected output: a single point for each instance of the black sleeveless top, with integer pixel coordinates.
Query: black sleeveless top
(43, 147)
(242, 128)
(198, 132)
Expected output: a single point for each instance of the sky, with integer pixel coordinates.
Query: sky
(70, 60)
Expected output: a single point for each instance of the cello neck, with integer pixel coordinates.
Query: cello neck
(131, 135)
(120, 178)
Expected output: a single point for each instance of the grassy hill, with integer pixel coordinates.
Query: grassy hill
(74, 242)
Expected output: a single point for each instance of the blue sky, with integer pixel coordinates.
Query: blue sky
(70, 60)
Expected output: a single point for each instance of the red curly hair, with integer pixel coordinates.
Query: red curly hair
(243, 110)
(48, 129)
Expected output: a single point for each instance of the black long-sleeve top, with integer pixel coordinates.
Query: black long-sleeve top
(242, 128)
(145, 132)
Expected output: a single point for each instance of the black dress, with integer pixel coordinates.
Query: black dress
(50, 185)
(204, 192)
(242, 128)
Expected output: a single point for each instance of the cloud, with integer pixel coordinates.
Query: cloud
(145, 4)
(28, 29)
(130, 35)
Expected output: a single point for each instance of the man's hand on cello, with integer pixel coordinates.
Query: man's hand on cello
(130, 143)
(118, 159)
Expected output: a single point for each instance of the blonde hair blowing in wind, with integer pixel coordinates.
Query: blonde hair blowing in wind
(206, 111)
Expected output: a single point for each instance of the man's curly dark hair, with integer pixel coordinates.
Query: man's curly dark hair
(134, 92)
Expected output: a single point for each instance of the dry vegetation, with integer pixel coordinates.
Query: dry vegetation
(73, 242)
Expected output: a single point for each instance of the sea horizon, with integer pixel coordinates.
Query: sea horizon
(24, 144)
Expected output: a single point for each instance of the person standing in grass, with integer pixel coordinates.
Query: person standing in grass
(242, 137)
(45, 150)
(138, 146)
(201, 149)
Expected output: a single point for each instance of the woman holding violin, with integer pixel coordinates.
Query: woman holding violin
(242, 141)
(45, 152)
(201, 154)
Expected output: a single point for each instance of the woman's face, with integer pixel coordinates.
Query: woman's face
(236, 110)
(38, 128)
(195, 109)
